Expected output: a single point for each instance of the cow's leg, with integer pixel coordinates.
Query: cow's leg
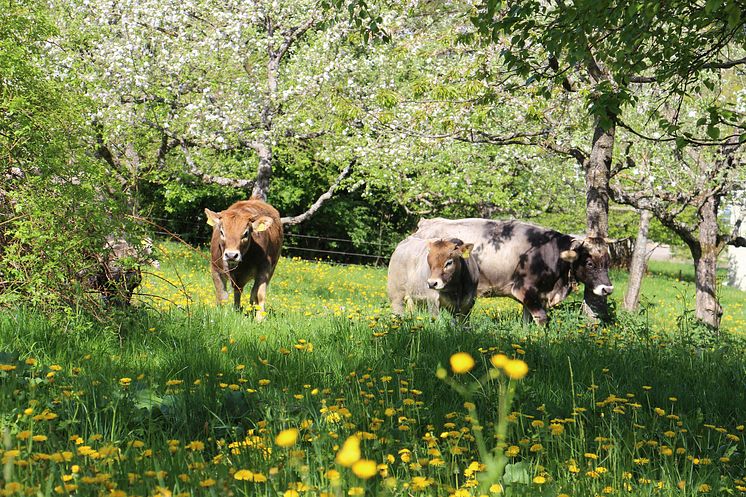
(532, 306)
(237, 291)
(397, 305)
(409, 303)
(433, 305)
(259, 296)
(220, 280)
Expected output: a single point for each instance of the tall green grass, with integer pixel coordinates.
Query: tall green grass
(178, 397)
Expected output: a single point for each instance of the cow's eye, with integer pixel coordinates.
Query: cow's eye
(222, 233)
(448, 263)
(247, 233)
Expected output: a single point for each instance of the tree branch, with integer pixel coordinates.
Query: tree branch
(292, 35)
(320, 201)
(641, 201)
(579, 155)
(209, 178)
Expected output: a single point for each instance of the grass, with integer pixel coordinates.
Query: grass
(181, 398)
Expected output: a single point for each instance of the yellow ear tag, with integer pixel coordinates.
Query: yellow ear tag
(210, 221)
(465, 254)
(261, 227)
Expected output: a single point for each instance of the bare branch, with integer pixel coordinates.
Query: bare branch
(725, 64)
(477, 136)
(581, 156)
(320, 201)
(292, 35)
(209, 178)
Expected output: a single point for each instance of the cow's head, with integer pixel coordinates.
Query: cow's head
(446, 260)
(235, 229)
(590, 263)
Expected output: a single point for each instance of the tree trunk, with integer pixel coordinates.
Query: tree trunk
(597, 173)
(264, 171)
(708, 309)
(639, 263)
(737, 254)
(264, 148)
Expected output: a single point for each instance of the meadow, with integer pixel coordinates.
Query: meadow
(332, 396)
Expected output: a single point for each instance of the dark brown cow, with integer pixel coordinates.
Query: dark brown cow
(438, 272)
(246, 243)
(536, 266)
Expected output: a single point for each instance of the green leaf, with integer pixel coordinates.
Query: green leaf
(147, 399)
(516, 473)
(713, 132)
(712, 5)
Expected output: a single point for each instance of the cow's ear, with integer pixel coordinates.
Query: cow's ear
(213, 218)
(466, 250)
(261, 224)
(569, 255)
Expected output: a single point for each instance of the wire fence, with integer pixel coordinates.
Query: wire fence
(331, 249)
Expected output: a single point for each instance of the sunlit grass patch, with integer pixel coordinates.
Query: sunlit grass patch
(332, 396)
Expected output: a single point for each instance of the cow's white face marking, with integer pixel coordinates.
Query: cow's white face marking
(603, 290)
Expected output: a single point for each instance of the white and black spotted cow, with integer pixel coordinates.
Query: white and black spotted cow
(534, 265)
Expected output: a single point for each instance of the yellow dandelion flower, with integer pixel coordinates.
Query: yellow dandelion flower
(516, 369)
(539, 480)
(420, 482)
(512, 451)
(496, 488)
(556, 429)
(364, 468)
(356, 491)
(349, 454)
(333, 475)
(243, 475)
(499, 360)
(287, 438)
(462, 362)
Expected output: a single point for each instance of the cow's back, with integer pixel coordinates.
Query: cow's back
(501, 248)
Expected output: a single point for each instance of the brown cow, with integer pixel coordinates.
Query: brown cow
(438, 272)
(246, 243)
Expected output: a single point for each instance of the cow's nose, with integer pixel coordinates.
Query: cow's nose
(432, 284)
(232, 255)
(603, 290)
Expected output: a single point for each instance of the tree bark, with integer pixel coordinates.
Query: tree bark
(597, 173)
(264, 171)
(707, 309)
(639, 263)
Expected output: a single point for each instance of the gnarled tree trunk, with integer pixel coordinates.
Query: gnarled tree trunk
(597, 172)
(639, 263)
(707, 309)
